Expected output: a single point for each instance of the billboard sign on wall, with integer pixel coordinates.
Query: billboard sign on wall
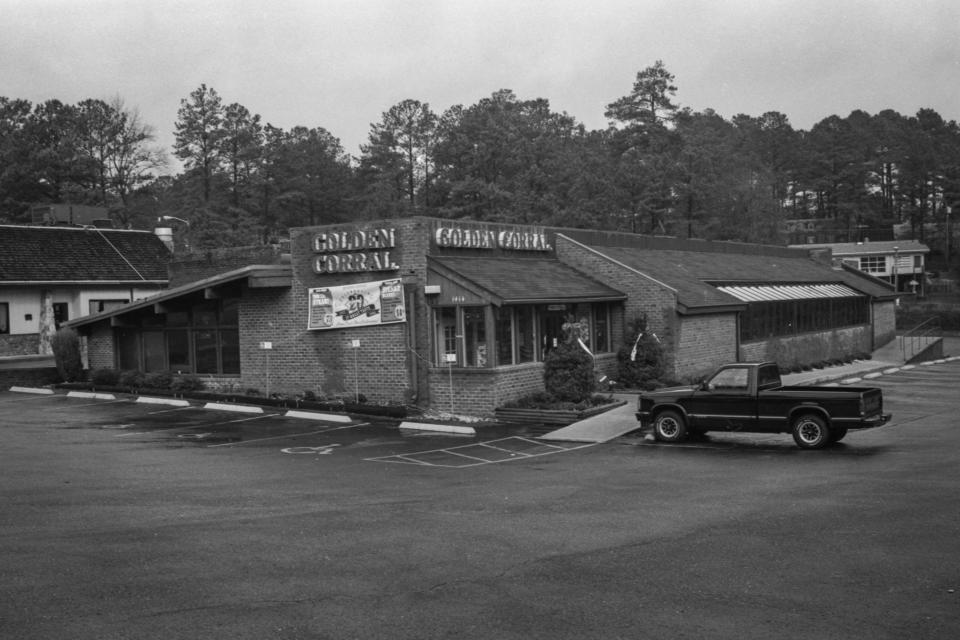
(356, 305)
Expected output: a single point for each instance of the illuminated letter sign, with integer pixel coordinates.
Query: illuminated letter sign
(354, 251)
(475, 238)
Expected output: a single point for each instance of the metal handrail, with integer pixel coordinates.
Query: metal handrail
(917, 337)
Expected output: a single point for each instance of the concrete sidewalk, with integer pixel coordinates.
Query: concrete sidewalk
(617, 422)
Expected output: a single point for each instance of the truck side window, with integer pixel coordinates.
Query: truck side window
(735, 379)
(768, 377)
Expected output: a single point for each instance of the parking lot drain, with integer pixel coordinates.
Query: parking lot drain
(222, 406)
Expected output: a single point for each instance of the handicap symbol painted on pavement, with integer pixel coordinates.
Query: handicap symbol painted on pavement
(320, 451)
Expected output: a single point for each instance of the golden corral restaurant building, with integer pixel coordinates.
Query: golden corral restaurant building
(458, 315)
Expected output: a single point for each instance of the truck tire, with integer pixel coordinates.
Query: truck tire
(810, 431)
(669, 426)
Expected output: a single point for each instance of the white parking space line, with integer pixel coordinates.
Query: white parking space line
(414, 458)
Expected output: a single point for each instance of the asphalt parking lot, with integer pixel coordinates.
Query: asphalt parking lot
(134, 520)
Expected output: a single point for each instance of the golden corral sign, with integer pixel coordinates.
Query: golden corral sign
(355, 250)
(470, 237)
(356, 305)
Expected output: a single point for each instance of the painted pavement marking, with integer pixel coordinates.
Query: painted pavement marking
(458, 458)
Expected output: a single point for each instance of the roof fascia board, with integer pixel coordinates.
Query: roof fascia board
(604, 256)
(158, 300)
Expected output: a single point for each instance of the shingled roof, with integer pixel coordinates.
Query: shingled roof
(526, 280)
(695, 274)
(31, 255)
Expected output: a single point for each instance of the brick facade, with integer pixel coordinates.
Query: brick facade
(393, 363)
(703, 343)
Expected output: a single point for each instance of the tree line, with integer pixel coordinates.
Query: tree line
(657, 168)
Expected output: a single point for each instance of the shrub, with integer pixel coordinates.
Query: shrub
(132, 379)
(186, 382)
(66, 352)
(158, 380)
(105, 377)
(640, 363)
(568, 369)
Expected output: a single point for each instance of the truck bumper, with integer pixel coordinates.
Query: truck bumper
(877, 421)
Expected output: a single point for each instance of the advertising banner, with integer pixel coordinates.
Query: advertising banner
(356, 305)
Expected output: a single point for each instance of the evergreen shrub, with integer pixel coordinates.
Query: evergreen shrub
(66, 353)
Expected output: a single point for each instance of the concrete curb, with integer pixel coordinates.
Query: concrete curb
(46, 392)
(91, 395)
(443, 428)
(309, 415)
(240, 408)
(168, 401)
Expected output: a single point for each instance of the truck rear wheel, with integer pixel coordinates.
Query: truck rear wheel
(810, 432)
(669, 426)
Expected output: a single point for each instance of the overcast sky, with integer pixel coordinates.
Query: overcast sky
(340, 64)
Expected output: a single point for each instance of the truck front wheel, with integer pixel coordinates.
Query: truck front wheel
(669, 426)
(811, 432)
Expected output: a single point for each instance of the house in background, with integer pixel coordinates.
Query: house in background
(902, 263)
(49, 275)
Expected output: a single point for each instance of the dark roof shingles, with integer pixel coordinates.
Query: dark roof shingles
(58, 254)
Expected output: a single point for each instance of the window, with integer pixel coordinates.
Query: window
(4, 317)
(735, 379)
(873, 264)
(763, 320)
(520, 333)
(503, 319)
(61, 313)
(474, 337)
(203, 340)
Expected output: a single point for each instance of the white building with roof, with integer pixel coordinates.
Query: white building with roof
(902, 263)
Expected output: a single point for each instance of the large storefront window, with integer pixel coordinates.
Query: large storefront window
(204, 339)
(772, 319)
(520, 333)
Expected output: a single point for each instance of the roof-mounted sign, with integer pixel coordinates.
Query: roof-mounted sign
(356, 250)
(491, 237)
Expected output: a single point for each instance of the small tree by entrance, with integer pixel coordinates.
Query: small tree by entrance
(568, 369)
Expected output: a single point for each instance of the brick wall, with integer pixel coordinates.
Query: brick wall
(324, 361)
(100, 347)
(703, 343)
(645, 296)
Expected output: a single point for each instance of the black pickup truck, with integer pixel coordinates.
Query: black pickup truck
(750, 397)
